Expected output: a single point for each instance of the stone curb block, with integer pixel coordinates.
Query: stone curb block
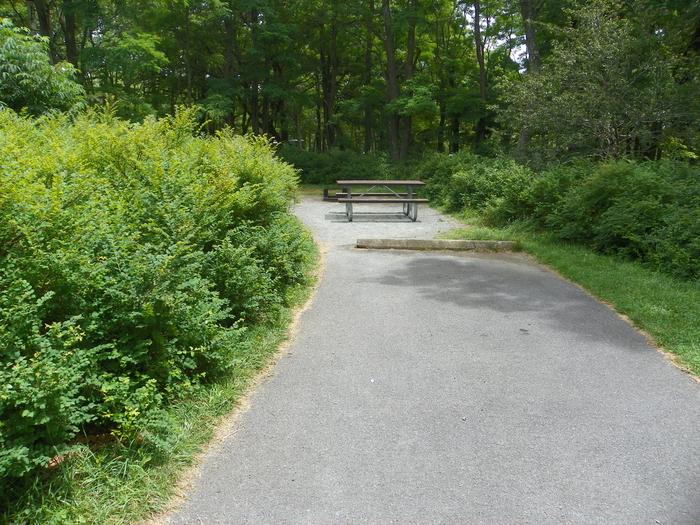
(430, 244)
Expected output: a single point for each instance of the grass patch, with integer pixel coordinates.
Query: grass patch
(668, 309)
(120, 483)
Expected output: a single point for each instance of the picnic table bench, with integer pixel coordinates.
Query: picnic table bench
(405, 197)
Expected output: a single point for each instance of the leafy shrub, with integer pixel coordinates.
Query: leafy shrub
(534, 196)
(476, 182)
(132, 258)
(327, 167)
(675, 246)
(27, 78)
(436, 170)
(642, 210)
(550, 187)
(648, 211)
(42, 377)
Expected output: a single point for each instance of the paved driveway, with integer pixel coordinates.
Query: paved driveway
(442, 388)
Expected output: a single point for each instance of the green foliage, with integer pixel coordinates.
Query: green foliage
(42, 376)
(134, 59)
(647, 211)
(27, 78)
(326, 168)
(606, 77)
(467, 180)
(610, 88)
(133, 258)
(438, 169)
(537, 196)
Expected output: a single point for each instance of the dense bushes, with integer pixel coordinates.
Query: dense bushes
(326, 168)
(648, 210)
(132, 257)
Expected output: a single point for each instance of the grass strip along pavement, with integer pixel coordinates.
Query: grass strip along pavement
(667, 309)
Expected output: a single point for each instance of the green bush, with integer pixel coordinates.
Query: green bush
(467, 180)
(641, 210)
(132, 259)
(533, 197)
(327, 167)
(675, 246)
(436, 170)
(647, 211)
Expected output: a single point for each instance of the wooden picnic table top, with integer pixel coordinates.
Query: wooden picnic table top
(358, 182)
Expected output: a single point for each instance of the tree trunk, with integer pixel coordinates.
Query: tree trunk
(479, 44)
(440, 51)
(392, 80)
(329, 80)
(441, 127)
(254, 108)
(323, 67)
(454, 135)
(230, 58)
(528, 10)
(187, 57)
(283, 123)
(229, 46)
(69, 30)
(266, 125)
(43, 14)
(279, 115)
(408, 74)
(454, 119)
(368, 76)
(319, 103)
(255, 86)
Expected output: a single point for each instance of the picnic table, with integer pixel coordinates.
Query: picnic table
(381, 192)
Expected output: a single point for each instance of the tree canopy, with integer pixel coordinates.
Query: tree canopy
(553, 79)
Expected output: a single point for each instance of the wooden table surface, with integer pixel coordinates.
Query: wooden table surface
(356, 182)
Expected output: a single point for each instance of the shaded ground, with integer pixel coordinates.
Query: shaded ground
(370, 221)
(434, 388)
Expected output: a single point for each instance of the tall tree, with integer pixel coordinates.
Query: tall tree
(392, 79)
(529, 10)
(393, 75)
(480, 46)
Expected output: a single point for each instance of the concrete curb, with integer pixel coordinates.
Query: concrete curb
(431, 244)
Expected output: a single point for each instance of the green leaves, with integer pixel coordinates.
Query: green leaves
(641, 210)
(132, 260)
(28, 81)
(609, 89)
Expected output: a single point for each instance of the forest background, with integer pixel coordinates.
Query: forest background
(149, 261)
(539, 79)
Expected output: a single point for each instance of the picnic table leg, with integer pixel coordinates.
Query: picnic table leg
(348, 205)
(410, 206)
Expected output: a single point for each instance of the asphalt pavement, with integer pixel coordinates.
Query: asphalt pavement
(458, 389)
